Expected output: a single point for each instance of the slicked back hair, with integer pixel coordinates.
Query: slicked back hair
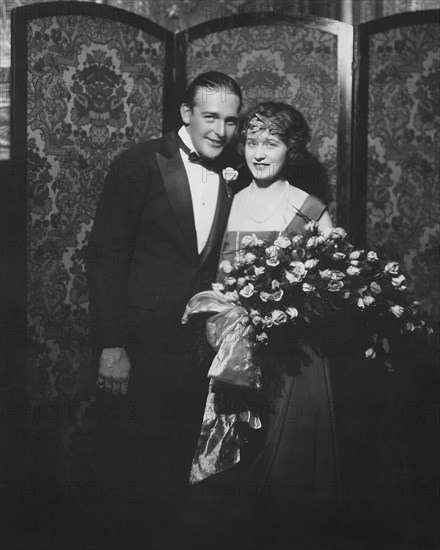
(214, 81)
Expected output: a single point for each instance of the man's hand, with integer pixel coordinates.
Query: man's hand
(114, 371)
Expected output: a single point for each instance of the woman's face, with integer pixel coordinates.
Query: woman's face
(265, 155)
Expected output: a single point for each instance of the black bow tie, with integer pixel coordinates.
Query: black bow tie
(210, 164)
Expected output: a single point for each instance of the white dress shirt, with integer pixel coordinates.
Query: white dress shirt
(204, 190)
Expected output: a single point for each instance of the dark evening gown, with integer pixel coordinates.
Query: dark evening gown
(284, 491)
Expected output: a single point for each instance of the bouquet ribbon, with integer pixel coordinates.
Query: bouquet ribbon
(229, 333)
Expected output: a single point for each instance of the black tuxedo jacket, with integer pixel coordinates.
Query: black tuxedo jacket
(142, 259)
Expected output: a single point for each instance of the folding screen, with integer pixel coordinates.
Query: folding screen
(395, 191)
(88, 82)
(96, 79)
(304, 61)
(395, 202)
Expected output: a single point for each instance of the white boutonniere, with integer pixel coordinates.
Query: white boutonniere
(229, 175)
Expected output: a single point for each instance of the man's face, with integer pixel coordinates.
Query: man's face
(212, 121)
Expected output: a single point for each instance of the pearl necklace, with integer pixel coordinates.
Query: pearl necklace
(248, 201)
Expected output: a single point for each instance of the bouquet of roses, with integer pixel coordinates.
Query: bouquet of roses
(302, 282)
(318, 279)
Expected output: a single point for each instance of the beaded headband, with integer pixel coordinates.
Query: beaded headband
(260, 123)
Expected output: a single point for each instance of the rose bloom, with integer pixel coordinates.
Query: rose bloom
(311, 242)
(298, 269)
(255, 317)
(410, 327)
(241, 281)
(355, 254)
(311, 226)
(354, 262)
(338, 233)
(275, 284)
(368, 300)
(229, 281)
(226, 266)
(282, 242)
(308, 287)
(259, 270)
(249, 258)
(239, 258)
(229, 174)
(337, 275)
(267, 321)
(370, 353)
(310, 264)
(326, 274)
(352, 270)
(335, 286)
(272, 252)
(278, 317)
(292, 312)
(297, 239)
(261, 338)
(397, 310)
(392, 268)
(277, 295)
(247, 291)
(273, 262)
(375, 287)
(251, 240)
(372, 256)
(291, 278)
(264, 296)
(399, 282)
(360, 303)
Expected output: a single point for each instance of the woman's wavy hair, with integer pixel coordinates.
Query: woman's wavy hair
(302, 169)
(291, 127)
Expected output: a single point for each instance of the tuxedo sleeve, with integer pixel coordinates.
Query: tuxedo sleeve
(111, 247)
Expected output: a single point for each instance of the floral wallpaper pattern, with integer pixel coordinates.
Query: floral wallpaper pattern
(288, 63)
(403, 207)
(94, 88)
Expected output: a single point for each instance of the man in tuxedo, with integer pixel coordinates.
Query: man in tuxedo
(155, 243)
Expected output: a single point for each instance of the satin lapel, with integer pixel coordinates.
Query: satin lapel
(177, 187)
(224, 202)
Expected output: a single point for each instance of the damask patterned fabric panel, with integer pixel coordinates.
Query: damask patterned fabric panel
(94, 88)
(403, 152)
(293, 64)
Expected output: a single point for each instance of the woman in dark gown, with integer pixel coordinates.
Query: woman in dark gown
(283, 491)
